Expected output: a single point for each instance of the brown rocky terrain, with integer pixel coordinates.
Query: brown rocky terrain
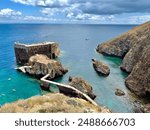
(52, 103)
(138, 80)
(120, 45)
(80, 84)
(39, 65)
(133, 46)
(101, 68)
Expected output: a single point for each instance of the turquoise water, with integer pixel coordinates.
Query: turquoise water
(78, 43)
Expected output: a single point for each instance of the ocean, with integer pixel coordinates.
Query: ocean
(77, 43)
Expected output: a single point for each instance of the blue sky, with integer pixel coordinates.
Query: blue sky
(75, 11)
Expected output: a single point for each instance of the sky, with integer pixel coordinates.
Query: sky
(75, 11)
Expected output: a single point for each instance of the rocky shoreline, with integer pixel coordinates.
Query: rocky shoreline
(133, 47)
(39, 60)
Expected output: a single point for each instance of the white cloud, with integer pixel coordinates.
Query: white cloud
(52, 3)
(46, 3)
(49, 11)
(96, 11)
(139, 19)
(9, 15)
(34, 18)
(26, 2)
(9, 12)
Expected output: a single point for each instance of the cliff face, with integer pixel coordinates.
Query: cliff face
(134, 47)
(52, 103)
(139, 79)
(120, 45)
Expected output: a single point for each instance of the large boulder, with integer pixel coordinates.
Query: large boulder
(52, 103)
(40, 65)
(81, 85)
(100, 67)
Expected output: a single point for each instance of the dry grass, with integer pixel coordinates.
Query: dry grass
(51, 103)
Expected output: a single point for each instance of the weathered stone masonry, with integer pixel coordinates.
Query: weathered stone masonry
(23, 51)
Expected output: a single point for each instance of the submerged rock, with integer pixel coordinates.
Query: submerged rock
(52, 103)
(119, 92)
(133, 46)
(39, 65)
(100, 67)
(79, 84)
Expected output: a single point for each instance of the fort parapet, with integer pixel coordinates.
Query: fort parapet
(24, 51)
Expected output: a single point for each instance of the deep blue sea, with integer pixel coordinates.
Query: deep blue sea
(77, 43)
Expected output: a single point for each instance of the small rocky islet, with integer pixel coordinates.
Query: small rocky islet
(100, 67)
(133, 47)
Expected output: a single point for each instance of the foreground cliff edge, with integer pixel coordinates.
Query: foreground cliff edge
(134, 47)
(52, 103)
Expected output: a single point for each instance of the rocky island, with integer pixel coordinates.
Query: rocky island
(39, 59)
(39, 65)
(134, 47)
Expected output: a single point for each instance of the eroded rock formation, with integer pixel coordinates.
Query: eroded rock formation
(100, 67)
(138, 80)
(120, 45)
(81, 85)
(134, 47)
(40, 65)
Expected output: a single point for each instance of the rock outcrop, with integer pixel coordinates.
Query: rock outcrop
(40, 65)
(133, 46)
(52, 103)
(81, 85)
(24, 51)
(138, 80)
(120, 45)
(119, 92)
(100, 67)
